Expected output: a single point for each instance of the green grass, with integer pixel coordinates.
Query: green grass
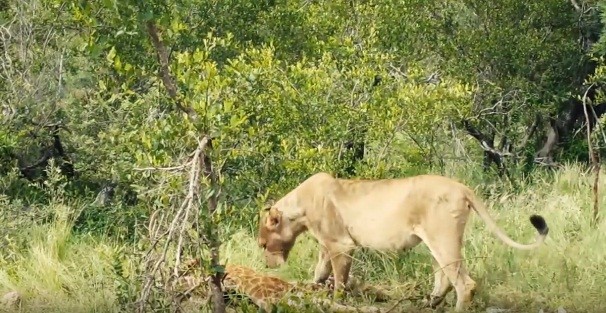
(58, 271)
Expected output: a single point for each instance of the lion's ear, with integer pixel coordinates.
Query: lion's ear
(273, 218)
(264, 210)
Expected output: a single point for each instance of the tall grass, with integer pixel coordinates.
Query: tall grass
(59, 271)
(567, 271)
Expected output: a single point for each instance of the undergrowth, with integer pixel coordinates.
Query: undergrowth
(57, 270)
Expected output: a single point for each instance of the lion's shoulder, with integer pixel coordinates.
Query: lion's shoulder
(322, 176)
(321, 179)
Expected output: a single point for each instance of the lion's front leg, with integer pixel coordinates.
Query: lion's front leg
(323, 268)
(341, 265)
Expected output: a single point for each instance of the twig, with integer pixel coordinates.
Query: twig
(490, 154)
(173, 168)
(411, 298)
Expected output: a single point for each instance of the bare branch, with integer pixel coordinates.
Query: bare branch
(588, 121)
(597, 119)
(187, 204)
(180, 224)
(594, 157)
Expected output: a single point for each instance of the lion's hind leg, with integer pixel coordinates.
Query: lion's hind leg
(447, 253)
(442, 285)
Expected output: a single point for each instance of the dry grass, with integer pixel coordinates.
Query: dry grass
(58, 273)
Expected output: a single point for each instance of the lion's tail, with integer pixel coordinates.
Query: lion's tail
(536, 220)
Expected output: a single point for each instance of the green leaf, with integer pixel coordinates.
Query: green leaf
(111, 54)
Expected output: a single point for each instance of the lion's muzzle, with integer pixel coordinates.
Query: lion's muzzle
(274, 259)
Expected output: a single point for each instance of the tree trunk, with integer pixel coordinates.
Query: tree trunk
(561, 128)
(214, 243)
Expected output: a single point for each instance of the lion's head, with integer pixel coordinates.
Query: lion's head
(276, 236)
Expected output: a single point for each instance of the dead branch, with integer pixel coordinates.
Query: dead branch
(179, 225)
(594, 157)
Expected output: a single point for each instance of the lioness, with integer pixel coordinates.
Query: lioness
(388, 214)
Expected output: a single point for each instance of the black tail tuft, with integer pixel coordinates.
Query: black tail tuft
(539, 223)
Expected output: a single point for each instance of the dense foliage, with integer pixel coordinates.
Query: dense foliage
(373, 89)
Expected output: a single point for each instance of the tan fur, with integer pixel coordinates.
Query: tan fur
(388, 215)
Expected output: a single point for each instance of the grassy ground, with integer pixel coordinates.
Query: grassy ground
(57, 271)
